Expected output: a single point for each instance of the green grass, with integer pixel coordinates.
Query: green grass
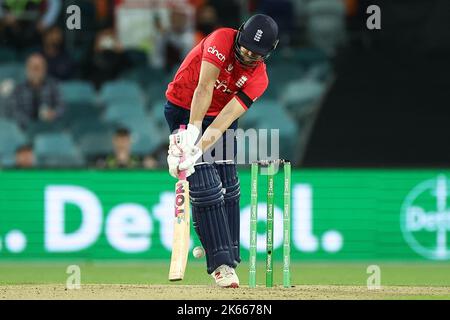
(420, 297)
(408, 274)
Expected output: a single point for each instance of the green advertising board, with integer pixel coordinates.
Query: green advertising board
(398, 215)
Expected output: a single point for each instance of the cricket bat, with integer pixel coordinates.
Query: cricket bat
(181, 227)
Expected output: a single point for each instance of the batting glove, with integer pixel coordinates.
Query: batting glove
(190, 159)
(173, 162)
(183, 141)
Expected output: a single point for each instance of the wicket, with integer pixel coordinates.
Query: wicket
(270, 222)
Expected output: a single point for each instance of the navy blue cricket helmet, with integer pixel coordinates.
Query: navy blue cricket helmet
(259, 34)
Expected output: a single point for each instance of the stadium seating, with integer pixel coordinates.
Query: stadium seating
(136, 101)
(121, 91)
(6, 89)
(279, 74)
(118, 112)
(321, 72)
(301, 94)
(96, 144)
(14, 71)
(78, 91)
(157, 114)
(263, 108)
(90, 125)
(25, 53)
(270, 114)
(282, 72)
(326, 24)
(7, 55)
(145, 134)
(145, 75)
(80, 111)
(298, 77)
(57, 150)
(309, 56)
(35, 128)
(156, 91)
(11, 137)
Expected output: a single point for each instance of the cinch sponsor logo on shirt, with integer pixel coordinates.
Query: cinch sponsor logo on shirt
(214, 51)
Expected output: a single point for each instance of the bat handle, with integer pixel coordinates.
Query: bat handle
(182, 174)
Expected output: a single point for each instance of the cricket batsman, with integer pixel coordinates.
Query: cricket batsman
(216, 84)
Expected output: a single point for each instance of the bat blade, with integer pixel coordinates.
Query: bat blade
(181, 232)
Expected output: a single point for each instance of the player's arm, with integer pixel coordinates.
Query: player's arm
(233, 110)
(201, 100)
(237, 106)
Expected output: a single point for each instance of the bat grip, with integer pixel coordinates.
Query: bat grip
(182, 174)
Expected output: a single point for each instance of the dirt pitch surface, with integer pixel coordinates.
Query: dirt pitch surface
(189, 292)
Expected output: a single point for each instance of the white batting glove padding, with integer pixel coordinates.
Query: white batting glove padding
(190, 160)
(173, 162)
(183, 141)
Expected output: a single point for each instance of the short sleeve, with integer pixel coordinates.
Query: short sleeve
(253, 90)
(216, 46)
(256, 88)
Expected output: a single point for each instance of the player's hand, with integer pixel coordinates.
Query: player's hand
(183, 141)
(173, 162)
(191, 158)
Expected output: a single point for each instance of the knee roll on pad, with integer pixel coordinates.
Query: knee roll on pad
(230, 182)
(201, 200)
(209, 216)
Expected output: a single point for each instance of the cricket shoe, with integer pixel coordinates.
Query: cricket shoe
(226, 277)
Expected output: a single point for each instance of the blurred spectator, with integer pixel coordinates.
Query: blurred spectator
(160, 155)
(230, 12)
(197, 3)
(25, 157)
(351, 7)
(206, 22)
(122, 157)
(149, 162)
(38, 98)
(174, 43)
(105, 13)
(108, 59)
(59, 63)
(22, 21)
(6, 89)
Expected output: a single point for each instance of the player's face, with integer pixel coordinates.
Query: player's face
(249, 57)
